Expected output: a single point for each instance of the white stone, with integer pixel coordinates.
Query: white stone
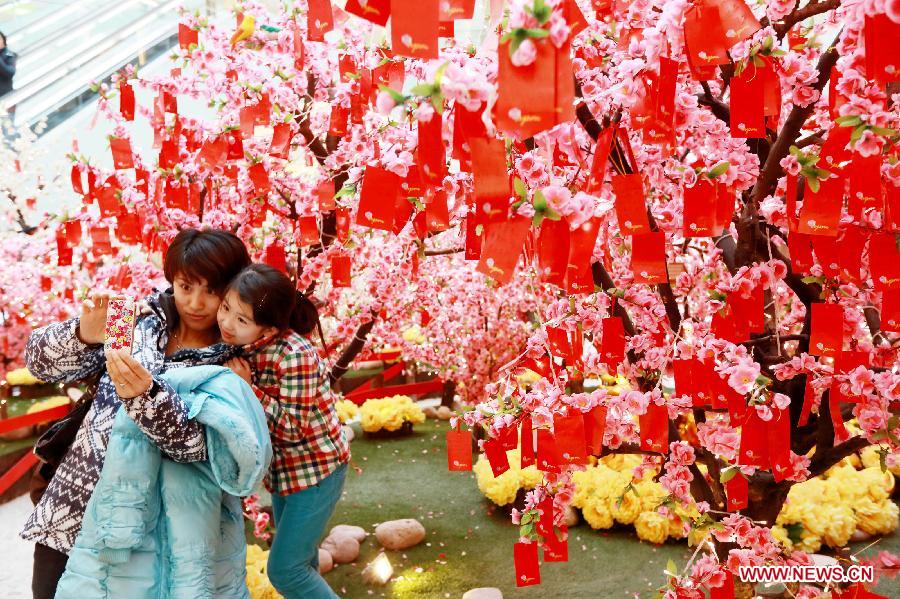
(357, 532)
(444, 413)
(326, 562)
(343, 548)
(400, 534)
(483, 593)
(571, 516)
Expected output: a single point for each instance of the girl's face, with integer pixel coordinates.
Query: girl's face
(236, 321)
(196, 303)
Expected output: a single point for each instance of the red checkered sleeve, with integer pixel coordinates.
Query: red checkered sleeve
(290, 415)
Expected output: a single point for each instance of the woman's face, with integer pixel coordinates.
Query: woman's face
(236, 321)
(196, 303)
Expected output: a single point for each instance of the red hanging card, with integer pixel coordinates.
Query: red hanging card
(837, 419)
(319, 19)
(548, 458)
(724, 207)
(884, 261)
(706, 44)
(342, 222)
(612, 343)
(129, 229)
(737, 405)
(459, 451)
(308, 227)
(126, 101)
(260, 178)
(683, 370)
(553, 251)
(214, 152)
(414, 28)
(700, 209)
(473, 239)
(432, 161)
(325, 195)
(821, 211)
(800, 248)
(771, 90)
(826, 338)
(525, 558)
(376, 11)
(281, 141)
(168, 153)
(754, 449)
(491, 182)
(526, 444)
(437, 217)
(73, 232)
(378, 198)
(100, 240)
(496, 455)
(508, 437)
(107, 201)
(169, 102)
(75, 176)
(451, 10)
(865, 184)
(594, 429)
(850, 250)
(235, 145)
(738, 21)
(543, 526)
(63, 251)
(890, 311)
(747, 103)
(648, 258)
(749, 312)
(631, 207)
(779, 438)
(275, 256)
(556, 548)
(882, 38)
(186, 36)
(338, 124)
(526, 101)
(466, 125)
(578, 265)
(737, 491)
(654, 425)
(502, 248)
(340, 271)
(121, 153)
(570, 438)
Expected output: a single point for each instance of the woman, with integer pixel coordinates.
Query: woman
(262, 312)
(181, 331)
(7, 66)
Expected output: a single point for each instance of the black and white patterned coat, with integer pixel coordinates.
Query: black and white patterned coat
(54, 354)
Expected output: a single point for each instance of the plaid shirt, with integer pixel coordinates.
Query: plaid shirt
(292, 384)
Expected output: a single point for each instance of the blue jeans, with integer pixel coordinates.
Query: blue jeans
(300, 521)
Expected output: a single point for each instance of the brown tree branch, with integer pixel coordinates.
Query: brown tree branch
(342, 365)
(799, 14)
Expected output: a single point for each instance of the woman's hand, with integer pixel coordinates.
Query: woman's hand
(128, 375)
(92, 326)
(241, 367)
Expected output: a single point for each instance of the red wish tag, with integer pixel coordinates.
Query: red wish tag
(376, 11)
(890, 310)
(214, 152)
(747, 103)
(683, 370)
(648, 258)
(548, 459)
(570, 438)
(319, 20)
(73, 232)
(490, 178)
(544, 524)
(528, 570)
(129, 229)
(121, 153)
(496, 455)
(821, 211)
(466, 125)
(754, 441)
(378, 198)
(865, 184)
(100, 240)
(612, 343)
(600, 158)
(432, 161)
(281, 141)
(337, 126)
(654, 424)
(437, 216)
(882, 38)
(260, 178)
(706, 44)
(526, 99)
(63, 251)
(451, 10)
(340, 271)
(631, 207)
(325, 195)
(594, 428)
(553, 251)
(779, 438)
(736, 490)
(578, 265)
(827, 336)
(126, 101)
(473, 239)
(75, 176)
(502, 248)
(556, 546)
(275, 256)
(186, 36)
(459, 451)
(526, 444)
(700, 209)
(414, 28)
(308, 228)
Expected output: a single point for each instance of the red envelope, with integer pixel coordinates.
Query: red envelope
(779, 438)
(706, 44)
(827, 335)
(338, 124)
(526, 444)
(525, 558)
(724, 207)
(275, 256)
(890, 311)
(308, 228)
(631, 207)
(556, 549)
(548, 457)
(800, 248)
(736, 490)
(612, 343)
(260, 178)
(496, 455)
(437, 216)
(882, 38)
(594, 429)
(821, 212)
(654, 425)
(378, 198)
(754, 450)
(342, 221)
(750, 311)
(737, 406)
(850, 251)
(121, 153)
(747, 103)
(865, 184)
(325, 195)
(570, 441)
(432, 161)
(502, 248)
(281, 141)
(403, 209)
(73, 232)
(466, 125)
(107, 201)
(414, 28)
(700, 209)
(186, 36)
(100, 240)
(168, 153)
(553, 251)
(376, 11)
(459, 451)
(648, 258)
(526, 102)
(508, 437)
(473, 239)
(451, 10)
(544, 524)
(63, 251)
(683, 369)
(884, 261)
(319, 20)
(126, 101)
(235, 146)
(340, 271)
(129, 229)
(491, 181)
(214, 152)
(582, 240)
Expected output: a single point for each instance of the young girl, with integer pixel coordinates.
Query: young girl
(262, 312)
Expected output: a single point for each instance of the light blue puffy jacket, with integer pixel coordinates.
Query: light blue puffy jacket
(155, 528)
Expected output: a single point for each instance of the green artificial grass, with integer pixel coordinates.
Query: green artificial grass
(469, 542)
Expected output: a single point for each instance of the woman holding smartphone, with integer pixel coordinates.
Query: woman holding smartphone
(180, 331)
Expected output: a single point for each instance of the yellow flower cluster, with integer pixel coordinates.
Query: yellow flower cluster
(502, 489)
(828, 509)
(21, 376)
(257, 579)
(414, 335)
(389, 413)
(48, 403)
(346, 410)
(603, 494)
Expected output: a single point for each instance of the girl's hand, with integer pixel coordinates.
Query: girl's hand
(241, 367)
(92, 326)
(128, 375)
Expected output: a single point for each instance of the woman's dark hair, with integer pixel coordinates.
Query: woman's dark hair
(211, 255)
(274, 299)
(3, 35)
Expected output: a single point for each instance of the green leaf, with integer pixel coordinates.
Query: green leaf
(727, 474)
(882, 131)
(810, 280)
(437, 101)
(719, 169)
(671, 568)
(423, 89)
(857, 132)
(527, 518)
(345, 191)
(395, 95)
(440, 73)
(519, 186)
(813, 184)
(539, 202)
(536, 33)
(849, 120)
(757, 61)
